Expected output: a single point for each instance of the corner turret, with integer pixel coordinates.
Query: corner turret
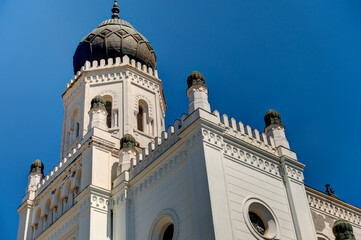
(128, 152)
(197, 92)
(98, 113)
(275, 128)
(35, 175)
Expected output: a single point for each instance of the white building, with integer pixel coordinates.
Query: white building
(124, 176)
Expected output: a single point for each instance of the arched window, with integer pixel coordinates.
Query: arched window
(109, 106)
(47, 214)
(140, 121)
(74, 127)
(77, 129)
(57, 208)
(37, 223)
(67, 196)
(144, 123)
(76, 187)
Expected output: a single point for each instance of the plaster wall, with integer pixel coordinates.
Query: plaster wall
(172, 192)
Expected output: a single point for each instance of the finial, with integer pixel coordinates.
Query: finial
(196, 78)
(115, 10)
(272, 117)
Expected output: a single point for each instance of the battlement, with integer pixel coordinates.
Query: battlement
(110, 63)
(245, 133)
(71, 155)
(155, 149)
(169, 137)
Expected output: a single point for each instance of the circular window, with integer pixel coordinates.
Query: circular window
(165, 226)
(260, 219)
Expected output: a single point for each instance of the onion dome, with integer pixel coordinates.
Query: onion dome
(272, 117)
(342, 230)
(111, 39)
(98, 102)
(127, 141)
(196, 78)
(37, 167)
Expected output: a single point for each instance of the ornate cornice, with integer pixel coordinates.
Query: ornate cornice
(335, 208)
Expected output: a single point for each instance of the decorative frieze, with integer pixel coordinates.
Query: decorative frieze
(99, 202)
(333, 208)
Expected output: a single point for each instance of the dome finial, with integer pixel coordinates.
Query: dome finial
(115, 10)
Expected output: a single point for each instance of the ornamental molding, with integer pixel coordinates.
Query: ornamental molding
(114, 95)
(292, 173)
(99, 202)
(332, 208)
(100, 78)
(212, 138)
(250, 159)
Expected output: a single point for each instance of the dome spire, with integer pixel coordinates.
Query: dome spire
(115, 10)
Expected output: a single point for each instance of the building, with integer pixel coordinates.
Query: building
(123, 175)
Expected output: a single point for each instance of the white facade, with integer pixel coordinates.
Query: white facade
(203, 176)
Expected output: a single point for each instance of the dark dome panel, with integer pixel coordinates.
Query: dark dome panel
(114, 38)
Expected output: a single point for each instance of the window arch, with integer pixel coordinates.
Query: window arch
(165, 226)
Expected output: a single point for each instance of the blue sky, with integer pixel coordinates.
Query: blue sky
(301, 57)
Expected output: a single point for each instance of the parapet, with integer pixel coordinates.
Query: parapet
(110, 63)
(236, 129)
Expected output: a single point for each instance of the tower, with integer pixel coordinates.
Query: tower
(117, 63)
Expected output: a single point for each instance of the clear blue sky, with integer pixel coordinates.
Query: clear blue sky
(300, 57)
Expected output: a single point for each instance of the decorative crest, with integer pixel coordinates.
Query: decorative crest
(330, 191)
(115, 10)
(196, 78)
(272, 117)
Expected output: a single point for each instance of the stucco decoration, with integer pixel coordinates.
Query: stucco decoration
(114, 95)
(342, 230)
